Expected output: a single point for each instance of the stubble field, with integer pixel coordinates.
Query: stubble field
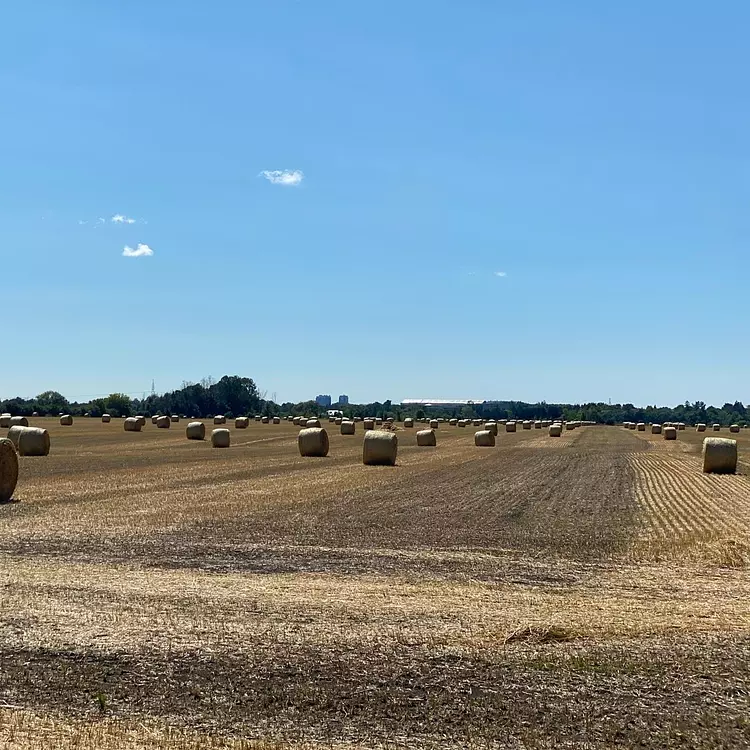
(591, 590)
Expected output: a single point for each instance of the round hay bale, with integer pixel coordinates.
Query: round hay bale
(132, 425)
(264, 420)
(66, 420)
(555, 429)
(680, 425)
(426, 438)
(36, 414)
(453, 422)
(734, 428)
(640, 426)
(18, 422)
(106, 418)
(527, 424)
(277, 420)
(570, 426)
(380, 448)
(357, 419)
(141, 421)
(163, 422)
(700, 427)
(195, 431)
(348, 428)
(537, 425)
(369, 424)
(510, 426)
(175, 419)
(716, 427)
(312, 423)
(339, 421)
(484, 439)
(30, 441)
(378, 422)
(656, 429)
(8, 470)
(4, 421)
(220, 438)
(313, 441)
(220, 419)
(241, 423)
(155, 419)
(408, 422)
(670, 433)
(477, 422)
(434, 424)
(719, 456)
(491, 427)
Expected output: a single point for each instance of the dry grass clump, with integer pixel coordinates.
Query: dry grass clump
(540, 634)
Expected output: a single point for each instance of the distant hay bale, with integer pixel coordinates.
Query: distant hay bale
(295, 421)
(670, 433)
(313, 442)
(175, 419)
(30, 441)
(220, 438)
(555, 429)
(4, 421)
(484, 439)
(491, 427)
(277, 420)
(476, 422)
(163, 422)
(700, 427)
(734, 428)
(462, 422)
(434, 424)
(369, 424)
(264, 420)
(453, 422)
(106, 418)
(378, 422)
(426, 438)
(220, 419)
(680, 425)
(641, 427)
(510, 426)
(141, 420)
(195, 431)
(348, 428)
(537, 425)
(527, 425)
(8, 470)
(656, 429)
(131, 424)
(719, 456)
(18, 422)
(312, 423)
(716, 427)
(408, 422)
(66, 420)
(380, 448)
(241, 423)
(155, 419)
(570, 426)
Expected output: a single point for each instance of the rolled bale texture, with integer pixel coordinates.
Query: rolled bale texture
(277, 420)
(380, 448)
(313, 441)
(734, 428)
(434, 424)
(264, 420)
(484, 439)
(132, 424)
(30, 441)
(719, 456)
(338, 421)
(241, 423)
(408, 422)
(163, 422)
(716, 427)
(4, 421)
(537, 425)
(18, 422)
(8, 470)
(491, 427)
(670, 433)
(141, 420)
(369, 424)
(570, 426)
(195, 431)
(656, 429)
(66, 420)
(555, 429)
(155, 419)
(348, 428)
(220, 419)
(527, 425)
(510, 426)
(221, 438)
(175, 418)
(312, 423)
(641, 427)
(453, 422)
(476, 422)
(426, 438)
(700, 427)
(106, 418)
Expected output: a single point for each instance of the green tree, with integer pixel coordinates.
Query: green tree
(119, 405)
(51, 402)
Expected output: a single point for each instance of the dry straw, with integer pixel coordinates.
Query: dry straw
(380, 448)
(313, 442)
(30, 441)
(8, 470)
(426, 438)
(221, 438)
(132, 425)
(348, 428)
(484, 439)
(195, 431)
(719, 456)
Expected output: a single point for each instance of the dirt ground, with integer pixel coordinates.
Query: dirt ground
(586, 591)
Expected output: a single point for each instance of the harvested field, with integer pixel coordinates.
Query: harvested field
(590, 590)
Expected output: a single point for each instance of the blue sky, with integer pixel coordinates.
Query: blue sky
(596, 154)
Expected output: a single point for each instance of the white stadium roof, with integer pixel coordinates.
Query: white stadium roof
(441, 401)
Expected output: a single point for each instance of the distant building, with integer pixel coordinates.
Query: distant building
(323, 400)
(343, 400)
(443, 402)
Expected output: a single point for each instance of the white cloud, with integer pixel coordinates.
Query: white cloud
(102, 220)
(121, 219)
(141, 251)
(287, 177)
(501, 274)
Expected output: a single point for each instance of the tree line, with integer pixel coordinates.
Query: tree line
(239, 396)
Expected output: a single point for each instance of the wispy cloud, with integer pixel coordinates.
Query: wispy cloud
(121, 219)
(287, 177)
(140, 251)
(501, 274)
